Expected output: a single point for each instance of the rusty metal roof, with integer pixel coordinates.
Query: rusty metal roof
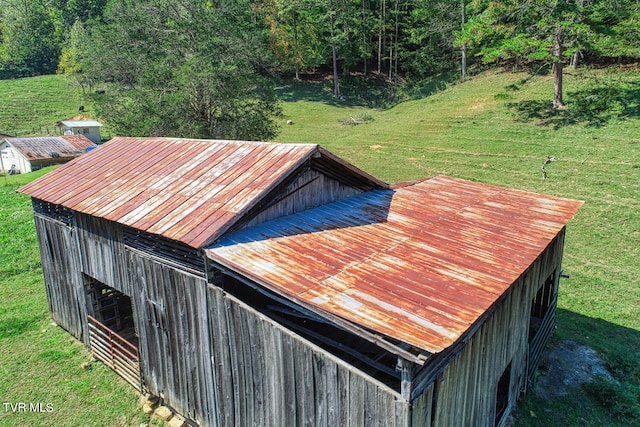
(186, 190)
(418, 264)
(79, 142)
(47, 147)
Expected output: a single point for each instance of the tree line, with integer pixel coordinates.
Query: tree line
(201, 67)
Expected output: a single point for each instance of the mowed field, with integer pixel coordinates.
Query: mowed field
(494, 128)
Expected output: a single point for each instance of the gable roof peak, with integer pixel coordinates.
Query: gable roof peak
(189, 190)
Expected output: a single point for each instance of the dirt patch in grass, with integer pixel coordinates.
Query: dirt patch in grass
(479, 105)
(566, 365)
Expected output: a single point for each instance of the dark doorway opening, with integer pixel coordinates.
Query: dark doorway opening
(542, 302)
(502, 394)
(112, 334)
(541, 322)
(112, 308)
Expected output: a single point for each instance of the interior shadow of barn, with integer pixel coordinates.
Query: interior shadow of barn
(112, 308)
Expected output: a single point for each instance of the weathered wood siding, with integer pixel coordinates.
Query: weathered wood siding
(310, 189)
(62, 276)
(465, 394)
(102, 252)
(171, 321)
(265, 375)
(221, 363)
(421, 410)
(211, 357)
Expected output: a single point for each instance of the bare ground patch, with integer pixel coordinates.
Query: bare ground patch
(568, 364)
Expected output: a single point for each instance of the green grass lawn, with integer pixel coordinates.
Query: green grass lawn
(39, 362)
(495, 128)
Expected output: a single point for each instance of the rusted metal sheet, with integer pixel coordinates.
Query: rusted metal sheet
(79, 142)
(185, 190)
(47, 147)
(419, 264)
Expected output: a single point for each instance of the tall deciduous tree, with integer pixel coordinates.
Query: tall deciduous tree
(71, 57)
(426, 44)
(334, 52)
(29, 44)
(463, 48)
(183, 68)
(295, 30)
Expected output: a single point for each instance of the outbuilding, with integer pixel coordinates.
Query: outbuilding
(87, 128)
(250, 283)
(28, 154)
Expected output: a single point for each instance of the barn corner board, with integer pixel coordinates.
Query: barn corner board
(276, 284)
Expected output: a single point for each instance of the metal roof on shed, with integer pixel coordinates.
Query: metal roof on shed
(419, 264)
(81, 123)
(186, 190)
(43, 147)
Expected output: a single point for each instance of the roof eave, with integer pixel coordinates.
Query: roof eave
(344, 324)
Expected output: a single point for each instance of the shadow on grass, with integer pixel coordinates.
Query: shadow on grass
(594, 106)
(600, 402)
(373, 91)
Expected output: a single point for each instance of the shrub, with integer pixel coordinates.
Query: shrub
(357, 119)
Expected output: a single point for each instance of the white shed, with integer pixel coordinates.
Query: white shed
(11, 160)
(87, 128)
(28, 154)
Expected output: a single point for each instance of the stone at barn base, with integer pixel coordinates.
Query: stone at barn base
(163, 413)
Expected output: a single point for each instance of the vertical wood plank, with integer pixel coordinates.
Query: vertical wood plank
(289, 383)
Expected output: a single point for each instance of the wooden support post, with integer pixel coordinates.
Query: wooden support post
(405, 368)
(212, 275)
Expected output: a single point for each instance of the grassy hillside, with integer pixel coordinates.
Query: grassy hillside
(32, 106)
(495, 128)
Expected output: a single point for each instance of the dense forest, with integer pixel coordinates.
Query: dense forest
(203, 67)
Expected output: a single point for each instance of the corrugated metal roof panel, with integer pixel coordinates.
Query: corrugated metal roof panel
(419, 264)
(186, 190)
(47, 147)
(80, 142)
